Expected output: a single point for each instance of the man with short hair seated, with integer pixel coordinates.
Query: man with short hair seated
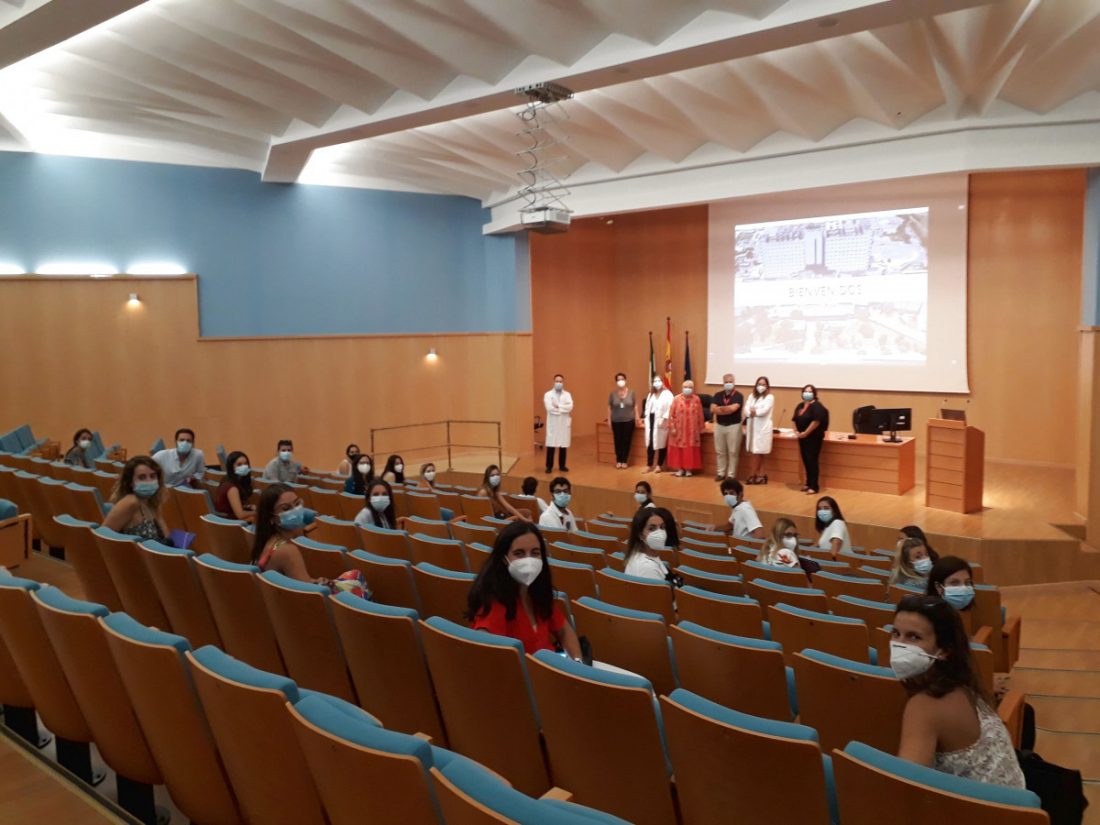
(558, 513)
(184, 466)
(283, 467)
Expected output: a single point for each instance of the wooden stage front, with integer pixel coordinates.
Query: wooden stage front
(1026, 533)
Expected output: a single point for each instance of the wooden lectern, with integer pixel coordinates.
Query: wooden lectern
(956, 466)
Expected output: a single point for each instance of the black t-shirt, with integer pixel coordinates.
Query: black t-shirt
(815, 412)
(724, 400)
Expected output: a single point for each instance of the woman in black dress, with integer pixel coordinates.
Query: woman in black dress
(811, 420)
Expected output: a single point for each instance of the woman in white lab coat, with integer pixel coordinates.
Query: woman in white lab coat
(657, 406)
(758, 428)
(559, 423)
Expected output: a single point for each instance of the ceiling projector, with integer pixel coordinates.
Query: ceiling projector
(545, 219)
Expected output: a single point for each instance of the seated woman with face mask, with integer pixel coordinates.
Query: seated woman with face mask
(951, 579)
(649, 535)
(949, 723)
(913, 563)
(781, 549)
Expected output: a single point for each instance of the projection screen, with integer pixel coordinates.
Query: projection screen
(857, 287)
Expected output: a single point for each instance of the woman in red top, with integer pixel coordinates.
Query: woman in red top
(513, 595)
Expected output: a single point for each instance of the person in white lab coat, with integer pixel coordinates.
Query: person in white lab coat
(657, 406)
(559, 423)
(758, 428)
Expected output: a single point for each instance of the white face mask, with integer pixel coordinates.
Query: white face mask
(908, 660)
(525, 570)
(84, 443)
(790, 542)
(640, 498)
(728, 387)
(429, 475)
(656, 539)
(658, 385)
(379, 503)
(285, 455)
(399, 468)
(364, 467)
(620, 383)
(761, 388)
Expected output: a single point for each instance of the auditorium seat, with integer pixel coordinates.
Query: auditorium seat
(478, 554)
(442, 592)
(47, 497)
(335, 530)
(481, 681)
(81, 649)
(239, 613)
(567, 551)
(743, 553)
(384, 542)
(798, 629)
(227, 539)
(739, 672)
(246, 708)
(193, 505)
(83, 554)
(595, 541)
(604, 738)
(474, 508)
(726, 584)
(158, 682)
(574, 579)
(631, 639)
(428, 527)
(789, 576)
(325, 502)
(870, 781)
(714, 550)
(423, 505)
(1005, 638)
(389, 580)
(181, 595)
(466, 532)
(350, 504)
(441, 552)
(637, 593)
(85, 501)
(838, 585)
(845, 700)
(104, 481)
(300, 614)
(385, 656)
(123, 557)
(618, 530)
(726, 761)
(872, 613)
(736, 615)
(322, 560)
(702, 532)
(17, 702)
(469, 794)
(769, 593)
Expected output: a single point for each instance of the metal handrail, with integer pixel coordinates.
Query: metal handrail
(450, 444)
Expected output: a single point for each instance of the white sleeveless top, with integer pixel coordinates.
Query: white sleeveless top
(991, 759)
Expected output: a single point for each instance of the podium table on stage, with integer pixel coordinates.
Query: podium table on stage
(956, 466)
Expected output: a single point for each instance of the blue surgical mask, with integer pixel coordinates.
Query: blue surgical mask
(379, 503)
(494, 481)
(959, 596)
(807, 396)
(641, 498)
(146, 489)
(284, 455)
(293, 519)
(242, 470)
(728, 387)
(688, 390)
(183, 447)
(562, 500)
(923, 566)
(730, 499)
(559, 386)
(825, 515)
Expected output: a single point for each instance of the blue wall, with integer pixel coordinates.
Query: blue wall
(1090, 259)
(272, 259)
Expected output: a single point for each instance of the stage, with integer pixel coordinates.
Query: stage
(1026, 533)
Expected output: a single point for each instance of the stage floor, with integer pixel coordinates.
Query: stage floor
(1021, 502)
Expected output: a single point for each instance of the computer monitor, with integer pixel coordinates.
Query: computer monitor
(871, 420)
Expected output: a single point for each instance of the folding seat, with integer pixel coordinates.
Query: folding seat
(390, 580)
(385, 655)
(484, 695)
(872, 613)
(158, 682)
(124, 560)
(81, 648)
(446, 553)
(769, 593)
(321, 560)
(83, 554)
(789, 576)
(193, 505)
(48, 497)
(448, 500)
(840, 585)
(105, 482)
(708, 562)
(350, 504)
(743, 554)
(735, 615)
(400, 503)
(630, 639)
(636, 593)
(727, 585)
(466, 532)
(17, 702)
(726, 761)
(846, 700)
(604, 738)
(442, 592)
(423, 505)
(326, 502)
(575, 553)
(330, 530)
(475, 507)
(384, 542)
(302, 620)
(869, 782)
(608, 544)
(181, 595)
(710, 548)
(798, 629)
(738, 672)
(427, 527)
(239, 613)
(988, 612)
(227, 539)
(618, 530)
(246, 709)
(477, 554)
(702, 532)
(574, 579)
(499, 524)
(470, 795)
(897, 592)
(85, 502)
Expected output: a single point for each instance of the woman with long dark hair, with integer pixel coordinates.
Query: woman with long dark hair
(394, 471)
(650, 533)
(232, 496)
(952, 580)
(78, 456)
(362, 474)
(490, 489)
(378, 511)
(513, 594)
(949, 723)
(281, 518)
(832, 530)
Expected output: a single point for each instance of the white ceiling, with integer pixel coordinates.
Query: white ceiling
(673, 94)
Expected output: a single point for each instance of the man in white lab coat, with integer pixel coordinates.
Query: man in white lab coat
(559, 423)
